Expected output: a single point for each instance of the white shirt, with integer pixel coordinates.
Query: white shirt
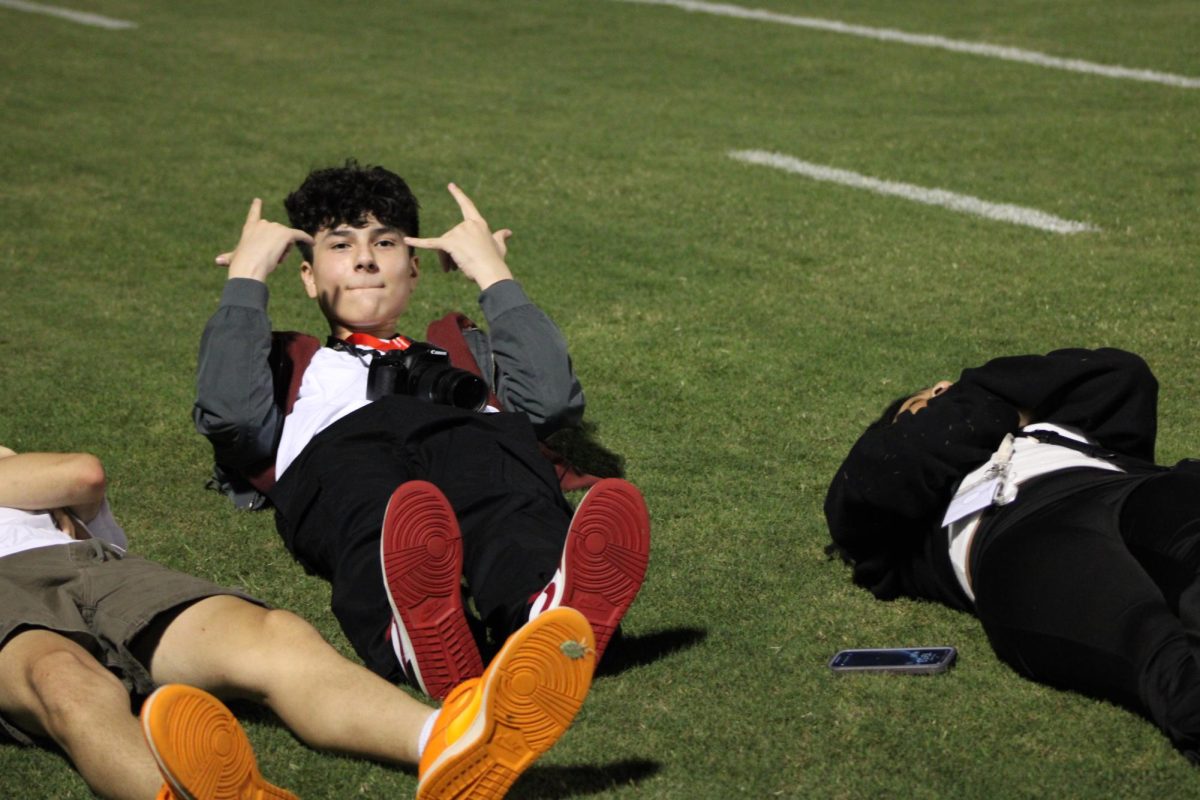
(1021, 460)
(334, 385)
(26, 530)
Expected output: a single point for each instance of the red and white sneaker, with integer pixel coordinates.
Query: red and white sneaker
(604, 559)
(420, 549)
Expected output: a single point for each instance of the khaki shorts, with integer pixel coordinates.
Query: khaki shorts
(98, 597)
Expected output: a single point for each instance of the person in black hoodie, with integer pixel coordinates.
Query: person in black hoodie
(1026, 492)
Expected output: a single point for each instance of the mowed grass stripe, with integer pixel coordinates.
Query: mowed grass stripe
(1002, 212)
(81, 17)
(931, 40)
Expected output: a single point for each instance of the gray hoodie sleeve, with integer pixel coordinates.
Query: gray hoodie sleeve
(235, 400)
(525, 358)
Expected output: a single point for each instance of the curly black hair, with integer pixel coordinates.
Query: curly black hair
(346, 195)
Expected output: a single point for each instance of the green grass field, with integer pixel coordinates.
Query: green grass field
(734, 326)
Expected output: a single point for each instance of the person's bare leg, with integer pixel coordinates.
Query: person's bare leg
(233, 648)
(51, 687)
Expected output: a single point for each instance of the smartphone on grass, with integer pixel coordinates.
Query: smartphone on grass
(912, 660)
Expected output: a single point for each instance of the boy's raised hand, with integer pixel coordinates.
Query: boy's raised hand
(263, 246)
(470, 246)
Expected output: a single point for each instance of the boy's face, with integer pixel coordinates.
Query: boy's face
(361, 277)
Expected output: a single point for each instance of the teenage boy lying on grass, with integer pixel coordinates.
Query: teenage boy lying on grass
(84, 626)
(396, 499)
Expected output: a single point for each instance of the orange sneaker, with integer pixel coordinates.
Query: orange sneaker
(201, 750)
(492, 728)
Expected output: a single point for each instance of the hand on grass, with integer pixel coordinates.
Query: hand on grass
(470, 246)
(263, 246)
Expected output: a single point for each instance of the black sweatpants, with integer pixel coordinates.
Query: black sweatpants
(1090, 581)
(331, 500)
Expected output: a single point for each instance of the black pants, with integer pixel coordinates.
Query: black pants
(1090, 581)
(331, 500)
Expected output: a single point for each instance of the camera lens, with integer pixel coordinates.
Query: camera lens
(463, 390)
(442, 383)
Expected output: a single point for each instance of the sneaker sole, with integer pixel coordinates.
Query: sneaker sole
(606, 555)
(201, 750)
(534, 687)
(420, 549)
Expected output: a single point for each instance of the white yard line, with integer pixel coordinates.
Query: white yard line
(82, 17)
(928, 40)
(1004, 212)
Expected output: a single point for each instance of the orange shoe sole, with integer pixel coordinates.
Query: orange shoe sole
(201, 750)
(531, 693)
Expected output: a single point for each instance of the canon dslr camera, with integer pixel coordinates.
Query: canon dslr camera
(424, 372)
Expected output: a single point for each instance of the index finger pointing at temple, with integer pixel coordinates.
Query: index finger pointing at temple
(469, 211)
(427, 244)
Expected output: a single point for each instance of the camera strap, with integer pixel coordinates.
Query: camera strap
(370, 342)
(364, 346)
